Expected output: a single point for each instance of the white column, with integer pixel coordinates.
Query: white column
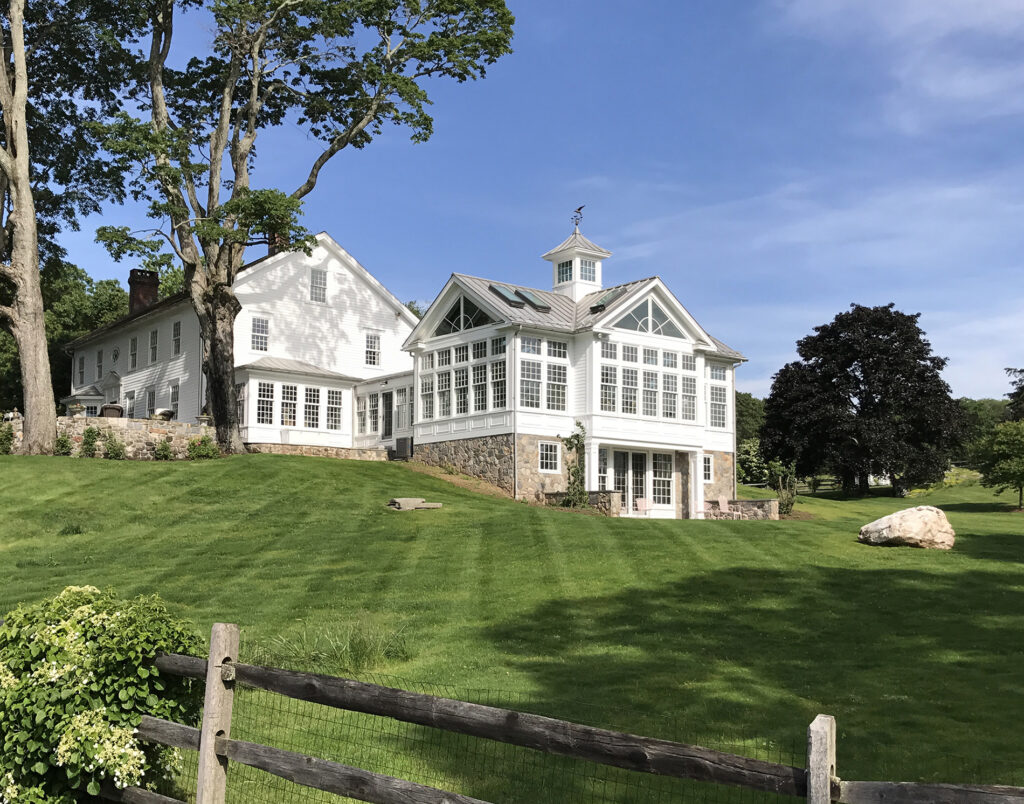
(591, 470)
(697, 473)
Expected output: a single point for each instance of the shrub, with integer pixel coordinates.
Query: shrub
(90, 437)
(202, 448)
(782, 480)
(576, 491)
(163, 452)
(115, 448)
(76, 675)
(62, 445)
(750, 466)
(6, 438)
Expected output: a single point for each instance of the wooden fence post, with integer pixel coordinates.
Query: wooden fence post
(212, 778)
(821, 759)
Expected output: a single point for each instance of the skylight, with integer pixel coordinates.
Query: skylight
(507, 296)
(533, 300)
(606, 299)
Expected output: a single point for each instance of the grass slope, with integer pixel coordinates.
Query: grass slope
(737, 629)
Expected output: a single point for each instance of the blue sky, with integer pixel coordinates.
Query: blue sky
(772, 160)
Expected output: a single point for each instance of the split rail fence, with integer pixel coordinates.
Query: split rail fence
(818, 783)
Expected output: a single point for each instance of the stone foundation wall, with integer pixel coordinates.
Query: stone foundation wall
(534, 484)
(18, 426)
(608, 503)
(747, 509)
(489, 458)
(345, 453)
(140, 436)
(723, 475)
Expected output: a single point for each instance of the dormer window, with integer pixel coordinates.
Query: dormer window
(565, 271)
(588, 271)
(649, 317)
(462, 315)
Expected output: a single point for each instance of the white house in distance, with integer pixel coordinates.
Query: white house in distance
(310, 330)
(503, 372)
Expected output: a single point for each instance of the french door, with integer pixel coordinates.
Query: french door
(630, 477)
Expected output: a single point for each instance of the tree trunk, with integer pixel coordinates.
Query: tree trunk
(220, 369)
(28, 329)
(862, 484)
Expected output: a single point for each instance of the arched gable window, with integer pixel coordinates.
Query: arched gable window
(649, 317)
(462, 315)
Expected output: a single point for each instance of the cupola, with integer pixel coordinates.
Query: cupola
(576, 266)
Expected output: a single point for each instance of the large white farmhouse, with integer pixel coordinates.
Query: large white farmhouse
(488, 382)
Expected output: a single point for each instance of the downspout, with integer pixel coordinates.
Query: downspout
(513, 392)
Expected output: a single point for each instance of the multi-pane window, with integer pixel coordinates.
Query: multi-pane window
(374, 413)
(361, 415)
(239, 403)
(311, 411)
(558, 349)
(670, 359)
(333, 409)
(372, 349)
(129, 404)
(609, 351)
(498, 346)
(609, 388)
(176, 338)
(716, 373)
(289, 403)
(688, 398)
(427, 362)
(154, 335)
(565, 271)
(709, 468)
(461, 391)
(688, 363)
(480, 350)
(650, 357)
(427, 397)
(588, 270)
(650, 393)
(403, 414)
(133, 354)
(529, 383)
(629, 354)
(318, 285)
(444, 394)
(556, 386)
(260, 334)
(444, 357)
(717, 412)
(175, 391)
(602, 470)
(498, 385)
(91, 410)
(480, 387)
(99, 365)
(550, 457)
(629, 390)
(150, 402)
(530, 346)
(462, 353)
(662, 479)
(81, 369)
(669, 391)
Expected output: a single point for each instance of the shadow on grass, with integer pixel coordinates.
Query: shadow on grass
(983, 508)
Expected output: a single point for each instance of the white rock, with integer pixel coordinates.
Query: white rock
(924, 526)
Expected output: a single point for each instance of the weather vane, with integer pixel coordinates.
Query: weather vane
(577, 216)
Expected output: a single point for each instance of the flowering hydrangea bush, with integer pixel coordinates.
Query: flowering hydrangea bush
(76, 676)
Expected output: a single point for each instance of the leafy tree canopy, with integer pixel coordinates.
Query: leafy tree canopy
(866, 398)
(749, 416)
(1000, 458)
(980, 416)
(1015, 408)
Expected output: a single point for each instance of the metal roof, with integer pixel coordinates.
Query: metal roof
(578, 242)
(284, 365)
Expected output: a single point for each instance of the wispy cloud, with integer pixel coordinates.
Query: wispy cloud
(948, 60)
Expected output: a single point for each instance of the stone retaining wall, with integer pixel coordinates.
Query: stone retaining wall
(140, 436)
(608, 503)
(487, 457)
(345, 453)
(18, 425)
(747, 509)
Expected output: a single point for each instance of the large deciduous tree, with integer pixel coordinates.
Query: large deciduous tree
(1015, 407)
(749, 416)
(866, 398)
(1000, 459)
(340, 70)
(62, 63)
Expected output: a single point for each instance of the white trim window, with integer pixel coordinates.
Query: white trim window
(444, 357)
(480, 350)
(498, 346)
(91, 411)
(150, 402)
(609, 388)
(670, 359)
(716, 373)
(99, 365)
(661, 485)
(609, 351)
(629, 353)
(558, 349)
(176, 338)
(173, 394)
(374, 413)
(629, 385)
(403, 414)
(129, 404)
(669, 386)
(318, 285)
(550, 457)
(81, 370)
(529, 345)
(480, 386)
(602, 470)
(154, 340)
(650, 357)
(565, 271)
(260, 334)
(133, 354)
(444, 394)
(334, 397)
(718, 410)
(709, 468)
(650, 398)
(240, 394)
(427, 397)
(688, 363)
(427, 361)
(498, 386)
(372, 349)
(688, 398)
(556, 386)
(361, 415)
(311, 410)
(289, 405)
(588, 270)
(461, 389)
(265, 403)
(529, 383)
(462, 353)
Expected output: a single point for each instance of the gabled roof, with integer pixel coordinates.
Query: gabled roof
(158, 307)
(561, 316)
(577, 242)
(283, 365)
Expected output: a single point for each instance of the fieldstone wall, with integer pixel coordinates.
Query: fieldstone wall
(140, 436)
(682, 484)
(724, 475)
(533, 483)
(489, 458)
(608, 503)
(18, 426)
(747, 509)
(345, 453)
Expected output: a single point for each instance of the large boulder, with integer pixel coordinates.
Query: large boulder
(924, 526)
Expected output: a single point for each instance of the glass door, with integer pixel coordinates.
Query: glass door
(620, 477)
(638, 484)
(387, 414)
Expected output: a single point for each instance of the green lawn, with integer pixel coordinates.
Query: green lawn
(741, 630)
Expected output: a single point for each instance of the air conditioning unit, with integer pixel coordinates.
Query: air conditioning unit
(403, 448)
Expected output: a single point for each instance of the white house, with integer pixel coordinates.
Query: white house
(310, 330)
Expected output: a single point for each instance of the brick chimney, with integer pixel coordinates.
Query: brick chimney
(143, 289)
